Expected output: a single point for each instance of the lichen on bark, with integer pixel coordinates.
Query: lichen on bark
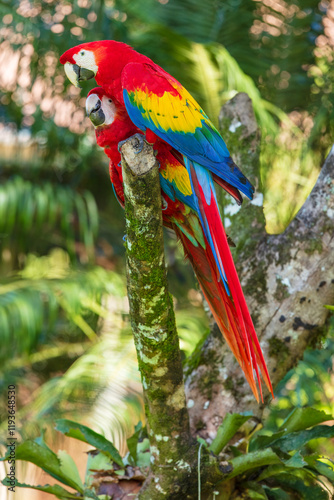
(173, 450)
(152, 315)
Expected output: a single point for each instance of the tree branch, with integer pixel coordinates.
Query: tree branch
(173, 452)
(287, 279)
(151, 308)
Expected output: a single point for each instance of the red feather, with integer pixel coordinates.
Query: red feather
(241, 324)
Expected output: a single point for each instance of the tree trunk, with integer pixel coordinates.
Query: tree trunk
(174, 453)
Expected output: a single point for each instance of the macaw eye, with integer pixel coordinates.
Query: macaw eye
(82, 53)
(109, 100)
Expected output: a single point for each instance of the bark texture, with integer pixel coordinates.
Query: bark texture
(173, 452)
(287, 279)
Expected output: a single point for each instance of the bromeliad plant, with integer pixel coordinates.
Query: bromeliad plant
(265, 465)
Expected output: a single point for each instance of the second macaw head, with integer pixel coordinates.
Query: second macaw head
(100, 109)
(110, 119)
(103, 60)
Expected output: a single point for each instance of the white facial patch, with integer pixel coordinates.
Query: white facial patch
(109, 109)
(86, 59)
(71, 74)
(105, 104)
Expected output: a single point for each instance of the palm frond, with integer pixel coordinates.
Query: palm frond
(47, 293)
(102, 385)
(29, 210)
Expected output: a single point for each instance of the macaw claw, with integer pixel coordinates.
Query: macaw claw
(138, 146)
(164, 204)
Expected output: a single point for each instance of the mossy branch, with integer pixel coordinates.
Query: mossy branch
(174, 453)
(153, 322)
(151, 308)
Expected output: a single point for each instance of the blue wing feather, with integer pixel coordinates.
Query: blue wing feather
(205, 147)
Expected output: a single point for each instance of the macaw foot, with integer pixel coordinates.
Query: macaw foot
(138, 146)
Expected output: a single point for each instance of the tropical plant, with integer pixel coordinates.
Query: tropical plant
(266, 465)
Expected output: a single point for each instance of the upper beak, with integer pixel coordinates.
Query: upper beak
(94, 110)
(77, 74)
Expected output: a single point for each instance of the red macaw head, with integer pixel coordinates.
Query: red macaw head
(103, 60)
(110, 119)
(101, 110)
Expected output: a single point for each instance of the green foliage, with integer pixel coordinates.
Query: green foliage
(275, 466)
(289, 435)
(102, 383)
(309, 384)
(61, 467)
(139, 447)
(226, 431)
(51, 314)
(31, 303)
(280, 465)
(55, 489)
(83, 433)
(28, 210)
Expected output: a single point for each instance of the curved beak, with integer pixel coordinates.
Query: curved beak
(77, 74)
(94, 110)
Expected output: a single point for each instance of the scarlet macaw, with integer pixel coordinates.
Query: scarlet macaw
(112, 125)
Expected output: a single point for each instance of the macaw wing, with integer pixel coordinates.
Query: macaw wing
(155, 100)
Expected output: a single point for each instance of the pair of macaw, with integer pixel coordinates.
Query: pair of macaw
(138, 97)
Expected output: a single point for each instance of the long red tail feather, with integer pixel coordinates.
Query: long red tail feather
(239, 333)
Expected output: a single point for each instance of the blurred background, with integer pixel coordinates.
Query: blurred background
(64, 332)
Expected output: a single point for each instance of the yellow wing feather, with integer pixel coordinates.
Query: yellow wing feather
(177, 175)
(186, 115)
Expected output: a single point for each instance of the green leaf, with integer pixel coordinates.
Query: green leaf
(303, 418)
(273, 471)
(87, 435)
(46, 459)
(253, 460)
(54, 489)
(307, 490)
(260, 441)
(231, 424)
(296, 461)
(139, 447)
(132, 441)
(69, 467)
(299, 419)
(276, 493)
(96, 461)
(143, 453)
(325, 469)
(253, 490)
(295, 440)
(235, 451)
